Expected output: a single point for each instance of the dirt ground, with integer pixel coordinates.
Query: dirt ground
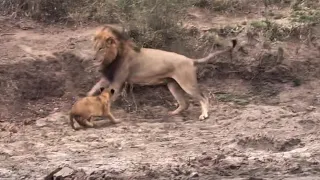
(257, 129)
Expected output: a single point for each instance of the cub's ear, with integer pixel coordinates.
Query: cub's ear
(101, 89)
(112, 91)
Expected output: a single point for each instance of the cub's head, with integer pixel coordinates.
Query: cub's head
(107, 92)
(108, 44)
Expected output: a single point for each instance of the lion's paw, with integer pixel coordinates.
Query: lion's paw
(203, 117)
(172, 113)
(116, 121)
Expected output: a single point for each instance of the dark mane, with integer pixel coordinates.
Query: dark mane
(122, 36)
(110, 70)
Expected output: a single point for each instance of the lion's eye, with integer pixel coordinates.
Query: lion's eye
(110, 41)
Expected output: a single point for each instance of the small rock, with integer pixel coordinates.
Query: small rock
(92, 137)
(64, 172)
(194, 174)
(13, 130)
(50, 175)
(255, 178)
(41, 122)
(80, 174)
(297, 108)
(27, 122)
(233, 161)
(251, 118)
(295, 168)
(310, 108)
(25, 27)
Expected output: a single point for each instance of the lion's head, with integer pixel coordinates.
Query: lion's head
(109, 43)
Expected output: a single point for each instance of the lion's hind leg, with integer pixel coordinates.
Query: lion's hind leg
(188, 82)
(177, 93)
(204, 102)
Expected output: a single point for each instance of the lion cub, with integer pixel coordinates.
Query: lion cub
(86, 108)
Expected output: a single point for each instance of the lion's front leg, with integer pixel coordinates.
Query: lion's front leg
(119, 80)
(117, 87)
(103, 82)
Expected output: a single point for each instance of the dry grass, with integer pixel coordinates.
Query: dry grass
(157, 23)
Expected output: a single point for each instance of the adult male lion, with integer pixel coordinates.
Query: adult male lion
(122, 61)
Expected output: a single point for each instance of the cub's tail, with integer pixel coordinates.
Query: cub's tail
(212, 55)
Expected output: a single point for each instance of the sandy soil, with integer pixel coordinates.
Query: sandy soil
(255, 140)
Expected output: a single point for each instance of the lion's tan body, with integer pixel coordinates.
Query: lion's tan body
(84, 109)
(152, 66)
(147, 66)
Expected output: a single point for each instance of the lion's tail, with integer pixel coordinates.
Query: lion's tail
(212, 55)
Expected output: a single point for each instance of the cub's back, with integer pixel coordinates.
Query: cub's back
(87, 105)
